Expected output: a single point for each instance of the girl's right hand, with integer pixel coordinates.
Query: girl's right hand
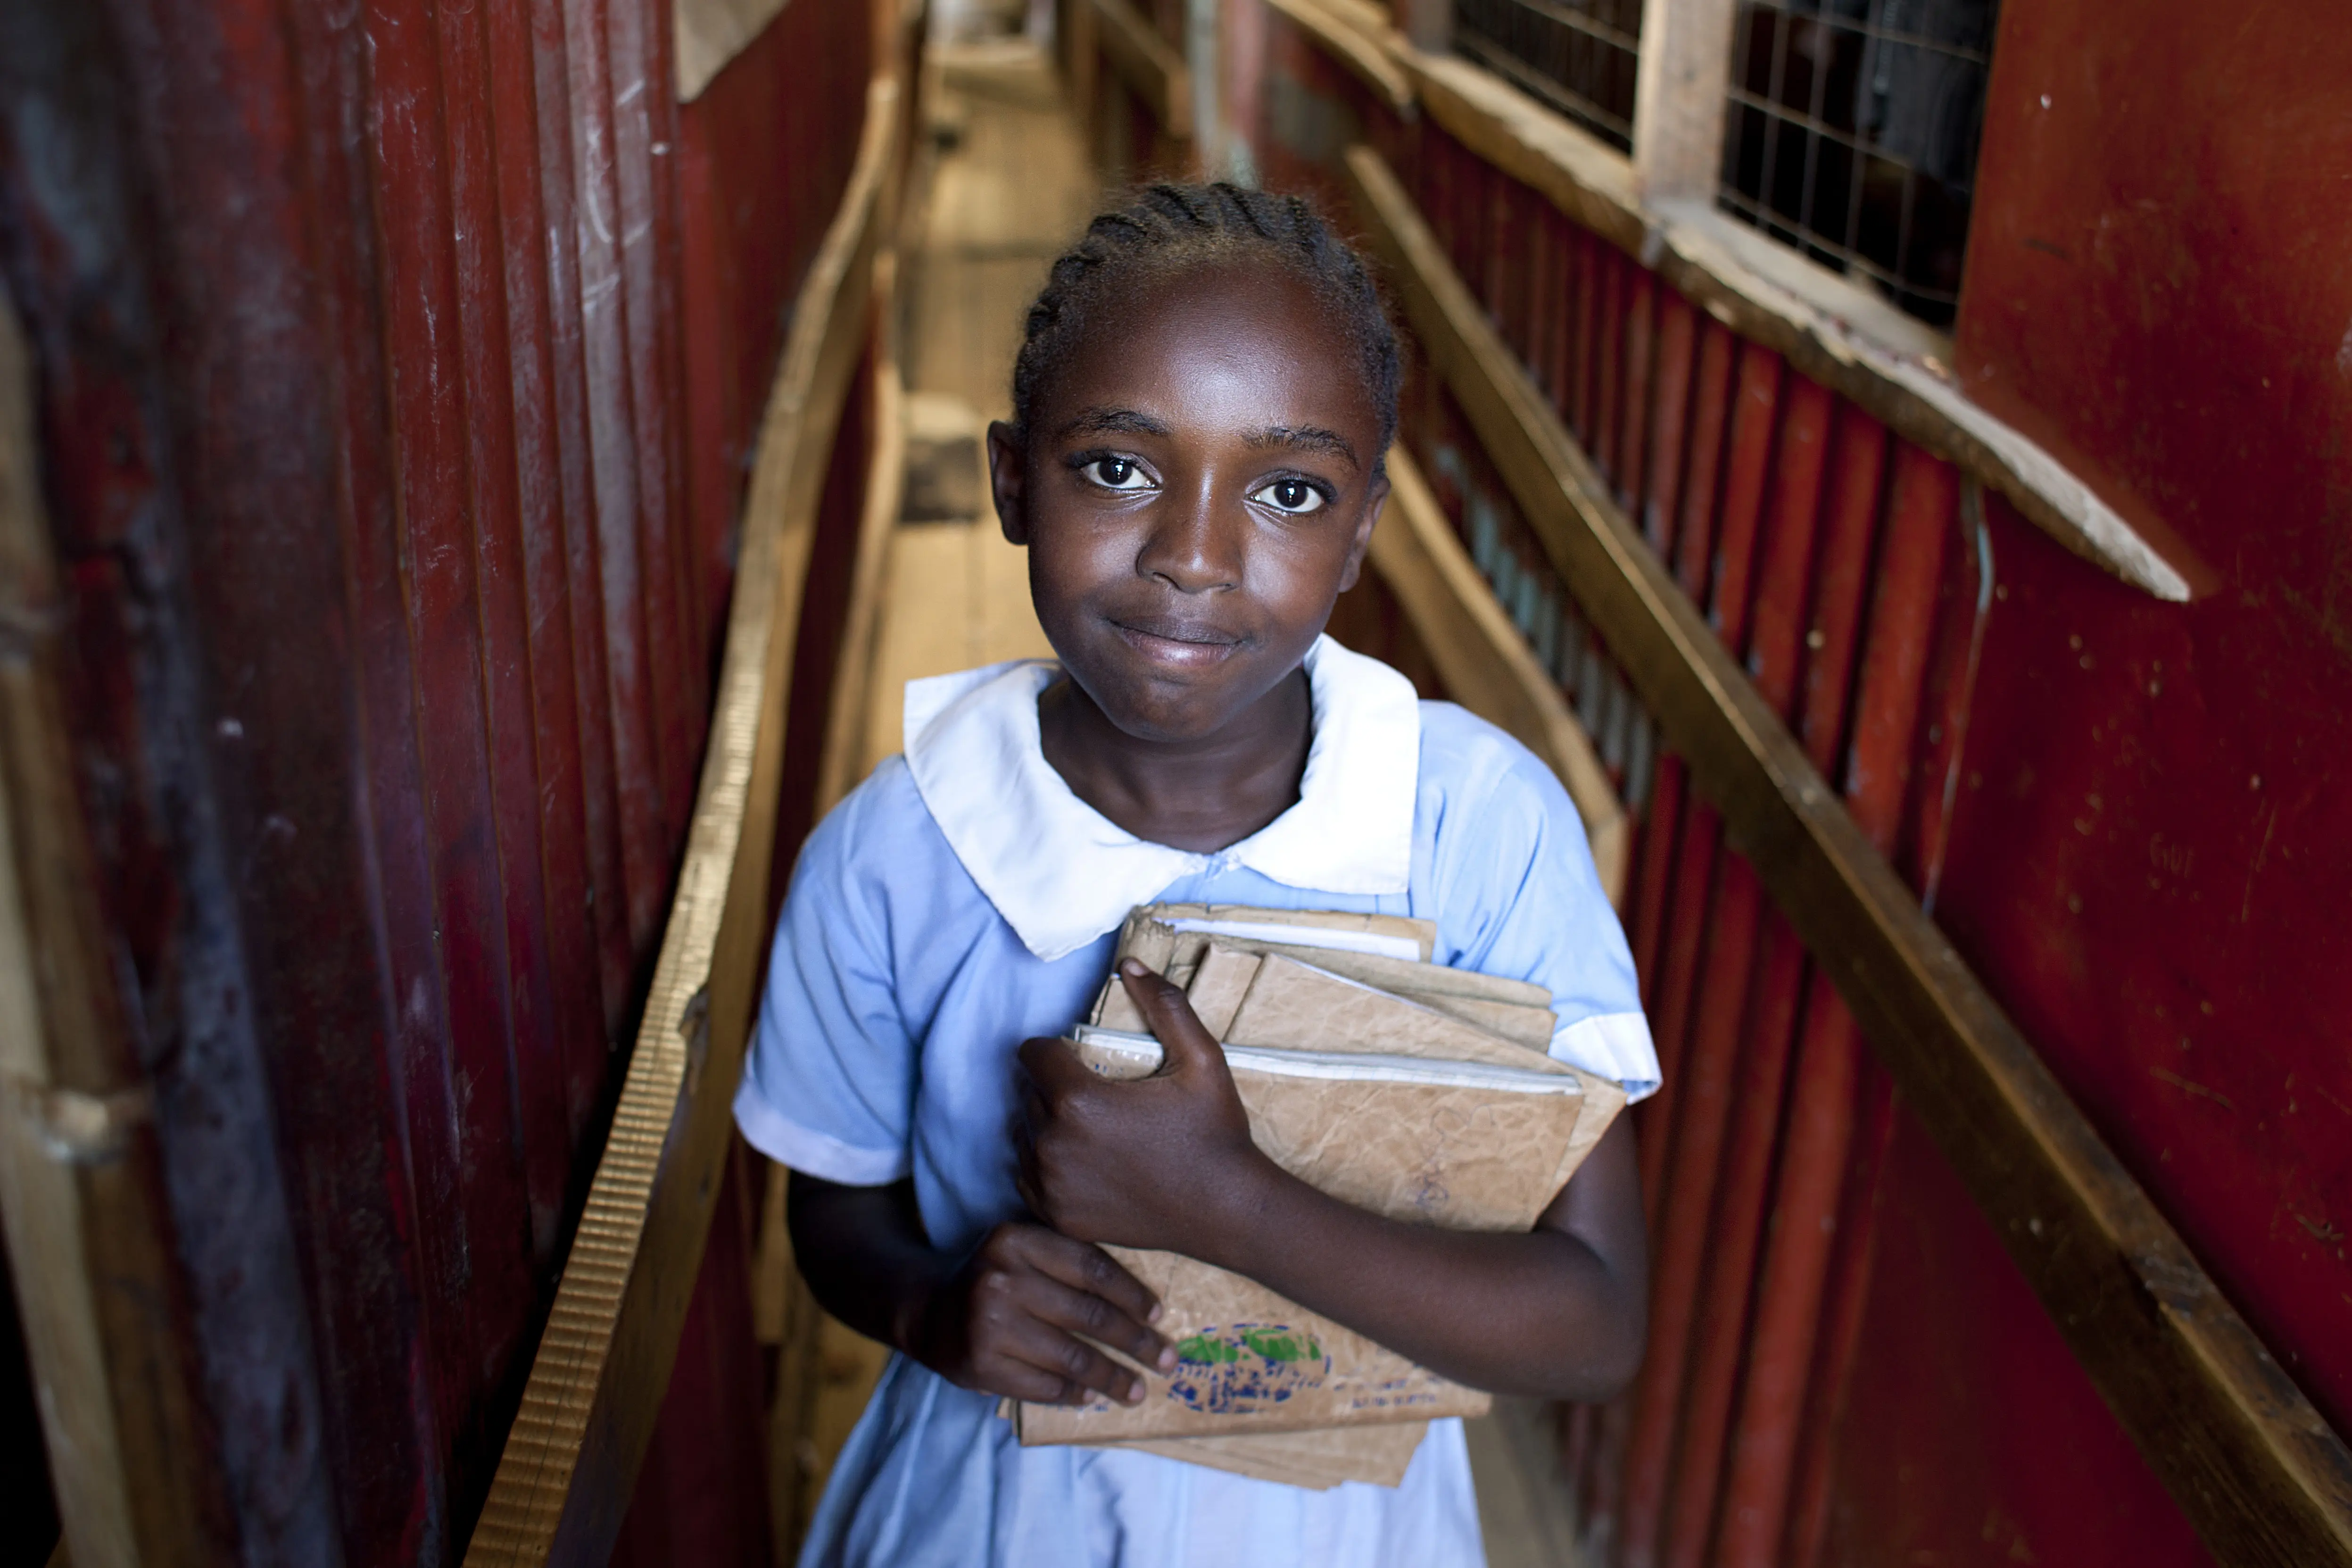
(1008, 1323)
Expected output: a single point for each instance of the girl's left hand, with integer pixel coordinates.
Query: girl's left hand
(1164, 1161)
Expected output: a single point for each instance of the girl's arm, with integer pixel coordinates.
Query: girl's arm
(1003, 1319)
(1167, 1163)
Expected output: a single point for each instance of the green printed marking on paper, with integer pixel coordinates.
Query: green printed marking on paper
(1246, 1367)
(1202, 1351)
(1277, 1344)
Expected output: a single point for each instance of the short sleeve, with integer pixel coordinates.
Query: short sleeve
(828, 1086)
(1517, 895)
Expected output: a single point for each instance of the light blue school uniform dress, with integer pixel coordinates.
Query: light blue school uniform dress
(963, 900)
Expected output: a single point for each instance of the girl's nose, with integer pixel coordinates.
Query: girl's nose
(1192, 543)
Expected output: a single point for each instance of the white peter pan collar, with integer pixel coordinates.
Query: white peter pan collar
(1061, 874)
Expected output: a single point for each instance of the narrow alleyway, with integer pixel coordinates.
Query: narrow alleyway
(1009, 188)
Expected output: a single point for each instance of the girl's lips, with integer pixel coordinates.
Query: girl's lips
(1177, 644)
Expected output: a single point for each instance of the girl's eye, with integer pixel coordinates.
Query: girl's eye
(1118, 473)
(1295, 497)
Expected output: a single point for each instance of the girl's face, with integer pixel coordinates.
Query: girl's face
(1196, 490)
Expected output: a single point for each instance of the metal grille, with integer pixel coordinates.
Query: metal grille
(1576, 55)
(1852, 134)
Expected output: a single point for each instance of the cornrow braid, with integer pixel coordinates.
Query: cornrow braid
(1170, 228)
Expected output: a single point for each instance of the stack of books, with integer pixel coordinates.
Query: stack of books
(1395, 1084)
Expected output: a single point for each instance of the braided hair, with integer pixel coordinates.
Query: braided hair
(1170, 228)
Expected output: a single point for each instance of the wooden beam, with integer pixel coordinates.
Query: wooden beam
(1679, 85)
(91, 1243)
(1486, 664)
(2252, 1464)
(886, 484)
(1081, 57)
(595, 1387)
(1150, 66)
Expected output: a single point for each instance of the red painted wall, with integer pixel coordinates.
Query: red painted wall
(398, 367)
(2153, 849)
(1970, 1438)
(2143, 851)
(2147, 853)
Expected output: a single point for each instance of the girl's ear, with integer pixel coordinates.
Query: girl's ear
(1008, 479)
(1376, 497)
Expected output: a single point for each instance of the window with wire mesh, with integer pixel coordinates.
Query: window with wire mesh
(1852, 131)
(1576, 55)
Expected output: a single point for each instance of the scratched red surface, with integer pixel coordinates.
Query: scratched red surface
(469, 325)
(2148, 850)
(2116, 806)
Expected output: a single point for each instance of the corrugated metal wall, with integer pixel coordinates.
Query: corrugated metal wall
(1826, 554)
(400, 363)
(1853, 574)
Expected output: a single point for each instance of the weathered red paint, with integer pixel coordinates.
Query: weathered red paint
(1723, 1031)
(1581, 358)
(1707, 1070)
(751, 224)
(1608, 367)
(702, 1495)
(401, 443)
(1633, 437)
(1734, 1238)
(1695, 533)
(1814, 1170)
(1655, 870)
(2156, 233)
(1662, 487)
(1808, 605)
(1558, 348)
(2022, 1459)
(2157, 920)
(1670, 1002)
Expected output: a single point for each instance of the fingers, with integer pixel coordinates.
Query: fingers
(1037, 1302)
(1030, 1345)
(1169, 1013)
(1088, 1322)
(1080, 1268)
(1047, 1368)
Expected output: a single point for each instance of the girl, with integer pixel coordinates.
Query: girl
(1200, 411)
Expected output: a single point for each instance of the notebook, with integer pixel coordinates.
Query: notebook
(1452, 1116)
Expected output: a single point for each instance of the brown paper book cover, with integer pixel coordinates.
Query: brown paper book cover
(1515, 1009)
(1374, 1093)
(1465, 1145)
(1318, 1461)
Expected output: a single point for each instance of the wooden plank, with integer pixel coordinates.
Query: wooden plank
(1679, 98)
(588, 1409)
(925, 629)
(1526, 1504)
(1151, 69)
(1003, 616)
(90, 1243)
(1081, 57)
(1896, 369)
(2252, 1464)
(840, 769)
(774, 1282)
(1487, 665)
(847, 1366)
